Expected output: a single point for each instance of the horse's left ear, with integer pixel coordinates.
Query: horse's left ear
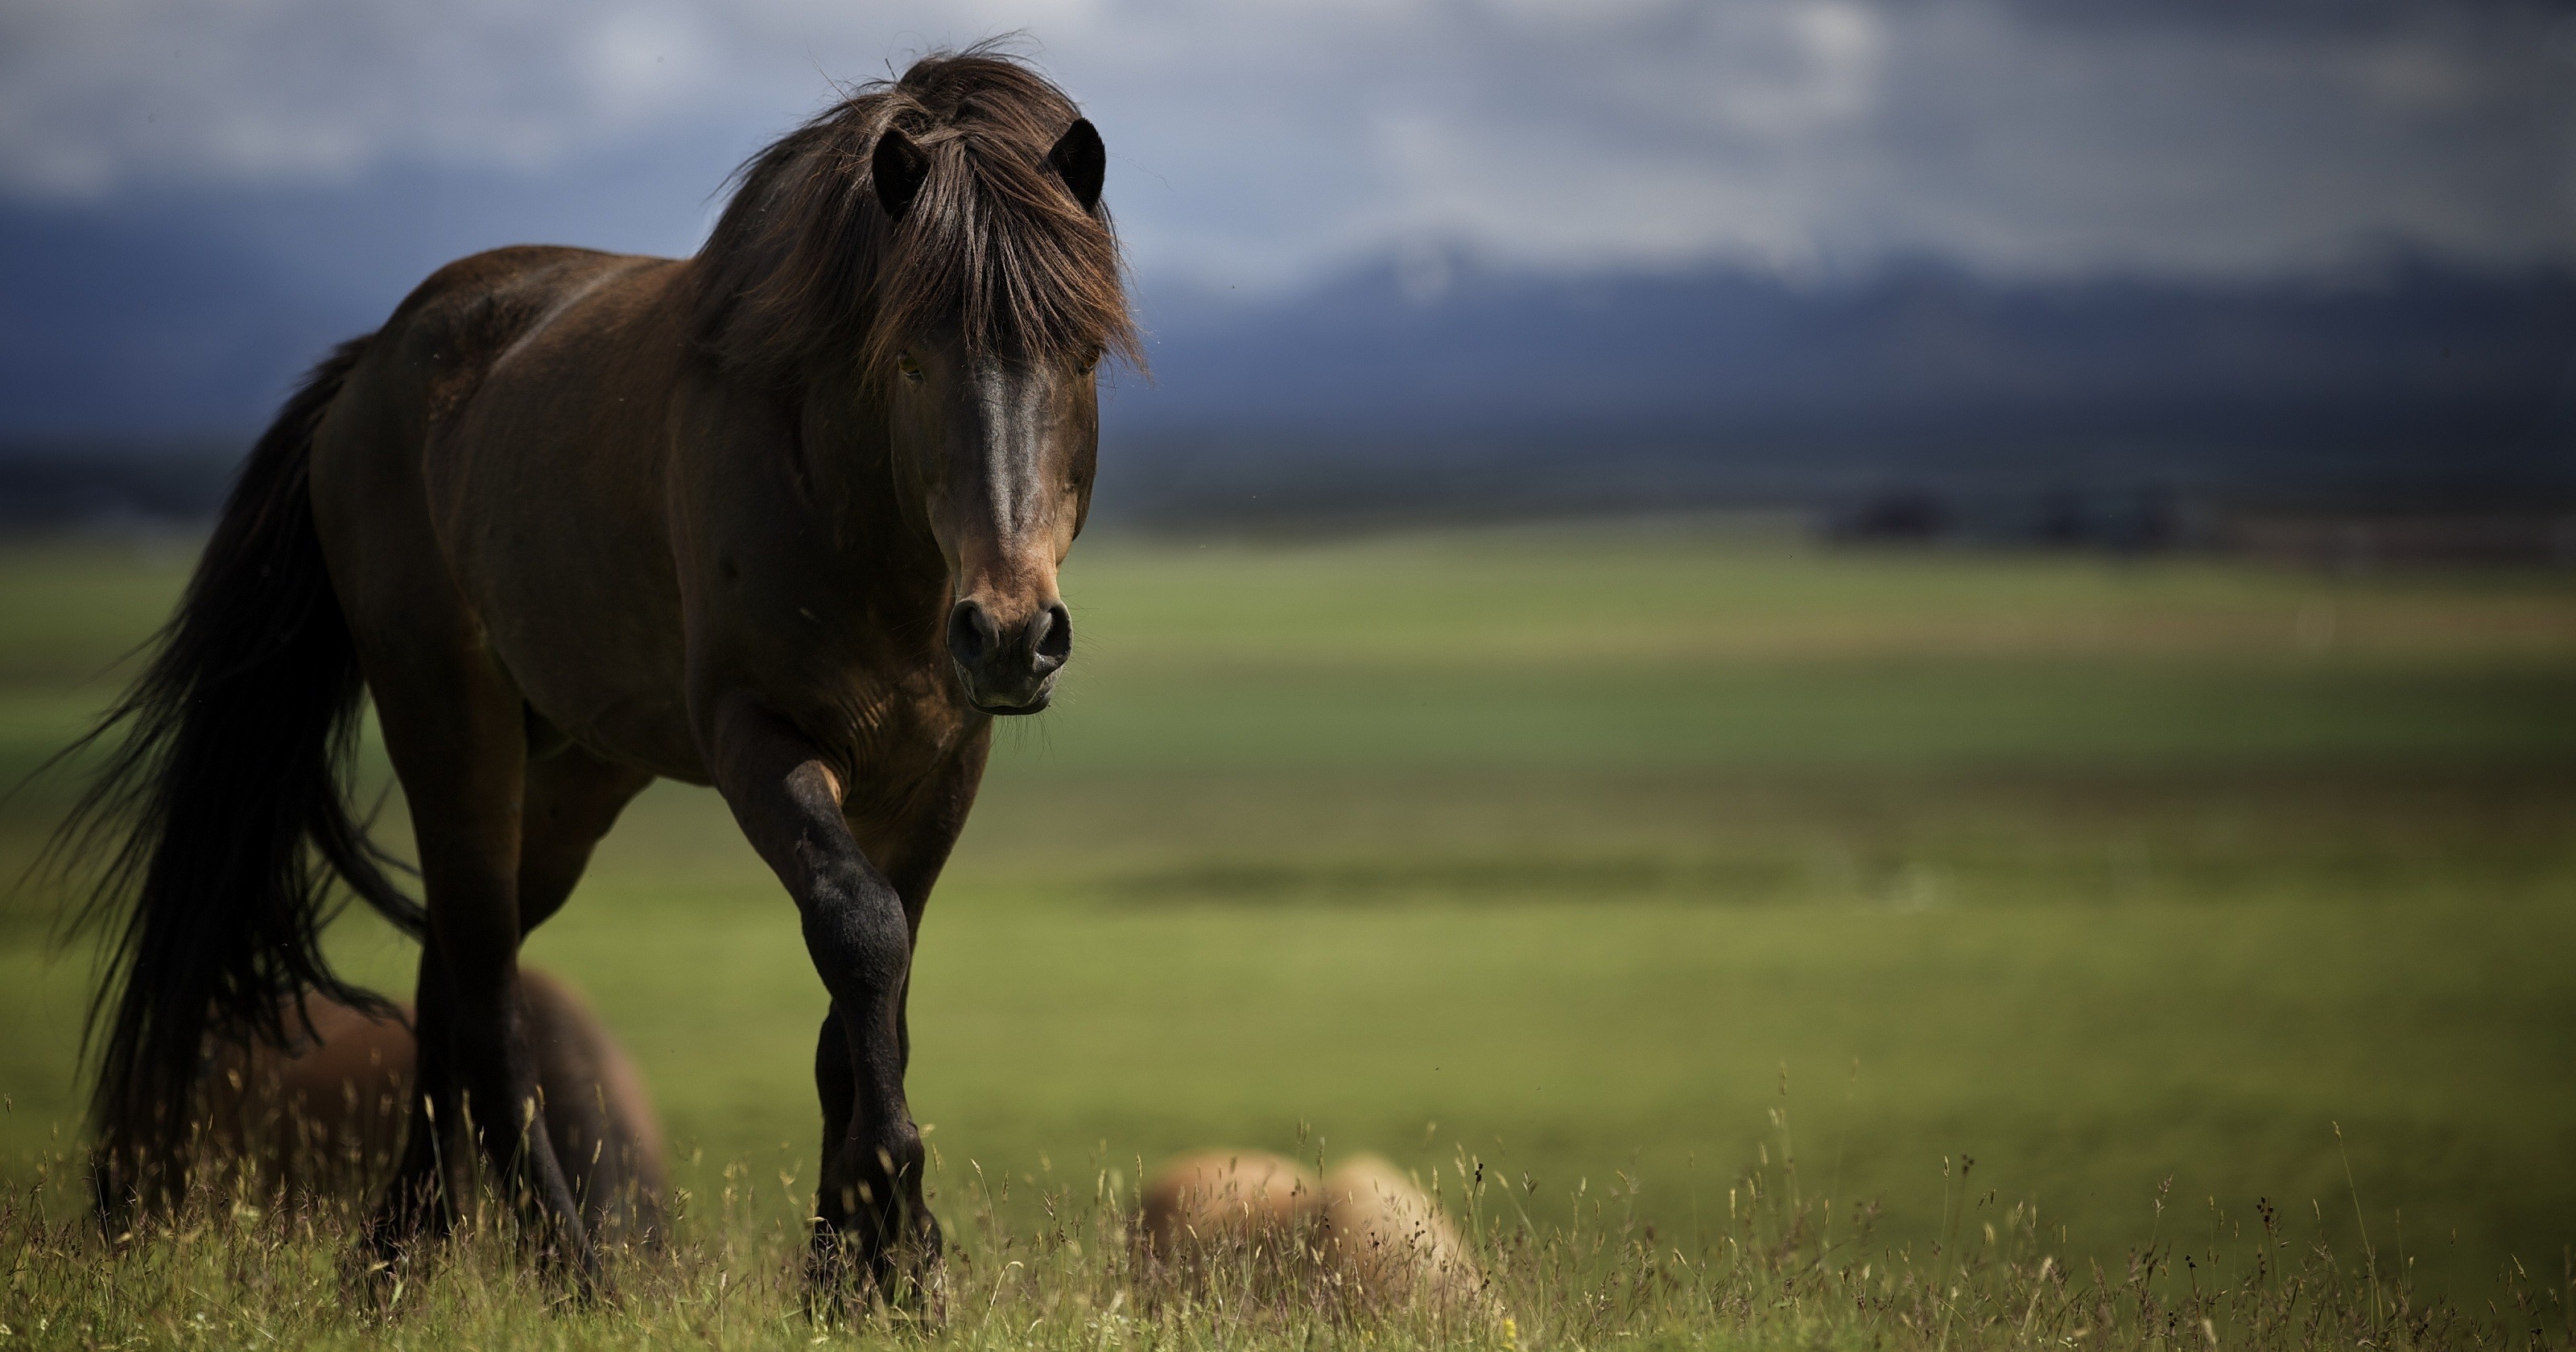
(1081, 161)
(897, 167)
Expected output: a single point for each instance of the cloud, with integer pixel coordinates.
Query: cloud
(1255, 144)
(99, 95)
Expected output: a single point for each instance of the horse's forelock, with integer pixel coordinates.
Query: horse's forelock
(804, 264)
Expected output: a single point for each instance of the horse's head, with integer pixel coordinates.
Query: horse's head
(946, 232)
(995, 436)
(1000, 453)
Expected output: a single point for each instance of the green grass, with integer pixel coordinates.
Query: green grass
(1777, 1269)
(1575, 848)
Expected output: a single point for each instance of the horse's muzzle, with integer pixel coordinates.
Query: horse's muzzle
(1008, 671)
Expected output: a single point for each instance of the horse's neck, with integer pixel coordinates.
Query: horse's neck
(848, 458)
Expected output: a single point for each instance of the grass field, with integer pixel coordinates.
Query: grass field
(1625, 858)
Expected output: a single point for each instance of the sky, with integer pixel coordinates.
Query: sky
(1259, 147)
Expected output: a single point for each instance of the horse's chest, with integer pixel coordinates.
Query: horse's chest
(897, 732)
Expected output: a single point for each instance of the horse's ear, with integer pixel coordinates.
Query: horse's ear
(897, 167)
(1081, 161)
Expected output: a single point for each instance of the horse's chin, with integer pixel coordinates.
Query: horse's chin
(1037, 702)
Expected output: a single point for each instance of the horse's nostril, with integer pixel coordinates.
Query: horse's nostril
(971, 633)
(1051, 634)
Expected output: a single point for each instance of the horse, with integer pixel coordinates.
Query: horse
(320, 1120)
(783, 517)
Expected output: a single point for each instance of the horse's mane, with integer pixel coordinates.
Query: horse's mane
(804, 265)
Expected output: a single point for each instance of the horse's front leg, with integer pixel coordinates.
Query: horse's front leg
(869, 1210)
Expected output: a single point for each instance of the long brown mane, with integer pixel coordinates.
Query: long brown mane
(804, 265)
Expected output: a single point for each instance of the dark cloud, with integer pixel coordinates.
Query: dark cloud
(1254, 145)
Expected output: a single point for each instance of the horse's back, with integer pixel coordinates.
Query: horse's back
(448, 334)
(492, 476)
(480, 303)
(411, 398)
(424, 372)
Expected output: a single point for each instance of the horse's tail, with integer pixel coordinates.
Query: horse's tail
(222, 818)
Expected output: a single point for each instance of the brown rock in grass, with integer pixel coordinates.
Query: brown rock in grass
(1387, 1241)
(1365, 1233)
(1229, 1201)
(325, 1119)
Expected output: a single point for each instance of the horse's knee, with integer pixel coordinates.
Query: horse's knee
(857, 936)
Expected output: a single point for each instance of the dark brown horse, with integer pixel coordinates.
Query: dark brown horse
(783, 518)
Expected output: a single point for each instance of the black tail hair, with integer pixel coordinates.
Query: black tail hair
(222, 819)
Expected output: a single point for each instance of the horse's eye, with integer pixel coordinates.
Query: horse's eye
(911, 369)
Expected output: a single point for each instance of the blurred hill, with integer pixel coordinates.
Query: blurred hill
(147, 330)
(135, 352)
(1428, 385)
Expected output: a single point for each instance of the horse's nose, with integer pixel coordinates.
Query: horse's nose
(1008, 668)
(1050, 637)
(972, 635)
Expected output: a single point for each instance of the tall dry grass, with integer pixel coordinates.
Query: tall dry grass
(1060, 1267)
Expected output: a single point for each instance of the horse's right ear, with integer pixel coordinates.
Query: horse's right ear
(1081, 161)
(897, 167)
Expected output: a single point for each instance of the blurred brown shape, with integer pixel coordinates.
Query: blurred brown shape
(324, 1120)
(1388, 1240)
(1365, 1234)
(1215, 1208)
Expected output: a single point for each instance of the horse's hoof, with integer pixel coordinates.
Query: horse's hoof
(375, 1279)
(850, 1270)
(579, 1273)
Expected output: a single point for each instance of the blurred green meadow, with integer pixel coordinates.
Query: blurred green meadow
(1623, 856)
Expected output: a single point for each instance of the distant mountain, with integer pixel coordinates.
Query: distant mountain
(127, 328)
(1424, 385)
(1434, 386)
